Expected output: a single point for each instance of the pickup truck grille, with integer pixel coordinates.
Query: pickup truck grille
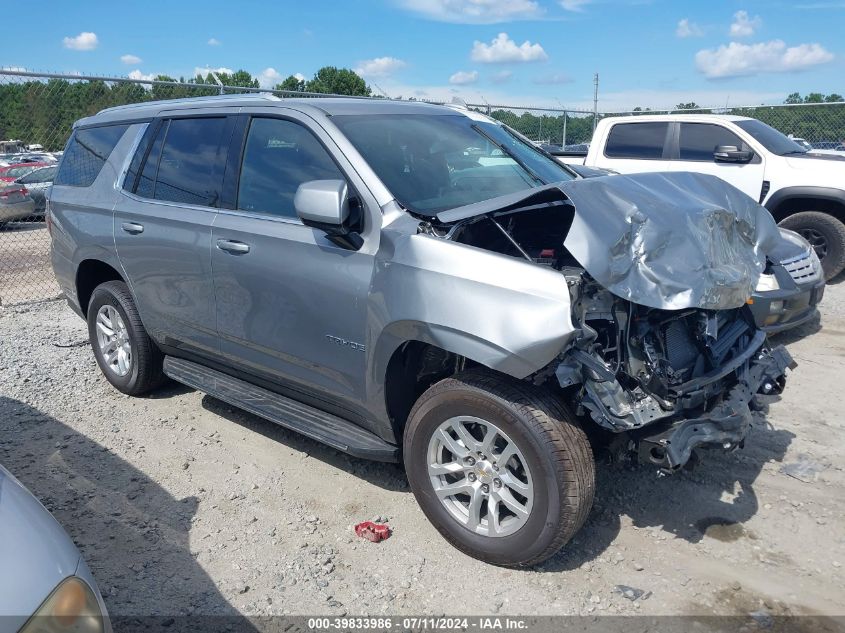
(803, 268)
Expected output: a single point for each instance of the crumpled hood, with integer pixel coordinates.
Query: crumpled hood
(663, 240)
(670, 240)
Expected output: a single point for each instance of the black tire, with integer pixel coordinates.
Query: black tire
(827, 235)
(145, 366)
(556, 451)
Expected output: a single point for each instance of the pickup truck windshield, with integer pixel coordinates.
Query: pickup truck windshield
(771, 139)
(432, 163)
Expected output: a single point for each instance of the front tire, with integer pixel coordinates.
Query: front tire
(499, 467)
(127, 356)
(826, 234)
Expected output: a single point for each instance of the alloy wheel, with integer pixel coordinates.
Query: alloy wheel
(113, 340)
(480, 476)
(816, 240)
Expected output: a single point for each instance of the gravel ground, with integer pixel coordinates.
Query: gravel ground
(182, 505)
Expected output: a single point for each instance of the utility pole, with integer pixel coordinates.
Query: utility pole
(595, 100)
(563, 135)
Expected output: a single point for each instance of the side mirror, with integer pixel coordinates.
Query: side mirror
(325, 205)
(731, 154)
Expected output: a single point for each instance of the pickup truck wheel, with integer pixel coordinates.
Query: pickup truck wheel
(127, 356)
(826, 234)
(498, 467)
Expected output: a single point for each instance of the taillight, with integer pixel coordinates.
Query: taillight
(23, 191)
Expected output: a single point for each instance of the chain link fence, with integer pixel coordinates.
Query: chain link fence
(548, 126)
(37, 112)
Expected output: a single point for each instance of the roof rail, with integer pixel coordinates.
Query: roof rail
(209, 100)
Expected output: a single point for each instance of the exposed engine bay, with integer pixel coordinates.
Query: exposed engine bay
(671, 376)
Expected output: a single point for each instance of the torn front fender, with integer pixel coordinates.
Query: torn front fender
(499, 311)
(670, 240)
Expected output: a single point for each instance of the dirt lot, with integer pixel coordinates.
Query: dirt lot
(181, 504)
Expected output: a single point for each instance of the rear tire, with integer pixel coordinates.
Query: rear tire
(537, 469)
(826, 234)
(127, 356)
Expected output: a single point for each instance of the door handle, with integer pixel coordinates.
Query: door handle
(232, 246)
(132, 227)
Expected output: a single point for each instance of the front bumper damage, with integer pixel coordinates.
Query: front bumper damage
(670, 445)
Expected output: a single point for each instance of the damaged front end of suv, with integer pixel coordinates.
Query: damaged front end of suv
(664, 351)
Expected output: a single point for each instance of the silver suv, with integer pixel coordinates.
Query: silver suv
(404, 281)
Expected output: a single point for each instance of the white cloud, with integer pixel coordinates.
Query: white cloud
(553, 79)
(137, 74)
(574, 5)
(462, 78)
(502, 76)
(130, 59)
(502, 49)
(688, 29)
(214, 42)
(379, 67)
(743, 25)
(85, 41)
(269, 77)
(299, 76)
(475, 11)
(740, 60)
(204, 71)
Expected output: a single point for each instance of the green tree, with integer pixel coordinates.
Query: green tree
(794, 98)
(292, 83)
(339, 81)
(833, 98)
(814, 97)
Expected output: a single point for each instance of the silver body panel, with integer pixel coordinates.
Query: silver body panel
(36, 554)
(298, 311)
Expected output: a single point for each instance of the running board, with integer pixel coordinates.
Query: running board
(296, 416)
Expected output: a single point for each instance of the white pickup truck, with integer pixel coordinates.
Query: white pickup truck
(803, 190)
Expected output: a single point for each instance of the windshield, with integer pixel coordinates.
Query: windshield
(432, 163)
(770, 138)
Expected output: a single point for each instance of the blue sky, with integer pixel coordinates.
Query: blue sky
(524, 52)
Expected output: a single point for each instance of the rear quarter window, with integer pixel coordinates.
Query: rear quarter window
(636, 140)
(86, 152)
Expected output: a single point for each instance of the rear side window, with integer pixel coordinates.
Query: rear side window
(86, 153)
(636, 140)
(147, 181)
(184, 163)
(190, 169)
(698, 141)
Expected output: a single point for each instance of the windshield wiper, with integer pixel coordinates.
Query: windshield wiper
(796, 151)
(507, 152)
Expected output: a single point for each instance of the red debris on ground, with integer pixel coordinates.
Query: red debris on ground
(373, 532)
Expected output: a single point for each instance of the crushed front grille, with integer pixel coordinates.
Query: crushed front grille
(803, 268)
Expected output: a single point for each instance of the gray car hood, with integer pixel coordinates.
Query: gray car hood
(663, 240)
(35, 551)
